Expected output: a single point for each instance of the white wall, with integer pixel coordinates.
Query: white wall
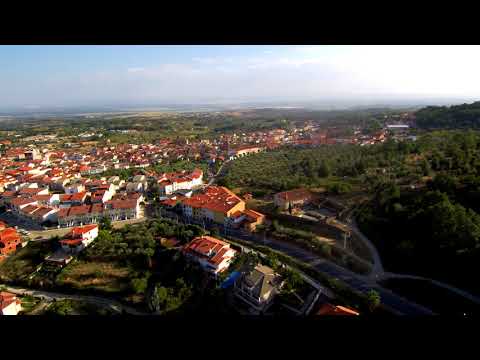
(12, 309)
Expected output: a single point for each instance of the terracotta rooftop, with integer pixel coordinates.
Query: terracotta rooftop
(215, 198)
(297, 194)
(329, 309)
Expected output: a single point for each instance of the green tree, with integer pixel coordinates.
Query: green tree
(444, 183)
(139, 285)
(426, 168)
(105, 224)
(215, 232)
(158, 298)
(324, 169)
(373, 300)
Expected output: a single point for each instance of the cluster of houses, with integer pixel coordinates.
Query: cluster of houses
(79, 201)
(256, 287)
(215, 205)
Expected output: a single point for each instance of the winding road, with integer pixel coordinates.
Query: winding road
(390, 300)
(96, 300)
(379, 274)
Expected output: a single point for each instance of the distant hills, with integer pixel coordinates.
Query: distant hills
(325, 104)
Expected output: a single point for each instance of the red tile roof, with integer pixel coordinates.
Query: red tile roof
(122, 204)
(79, 210)
(21, 201)
(42, 197)
(77, 232)
(31, 191)
(8, 194)
(42, 211)
(297, 194)
(205, 246)
(9, 235)
(253, 215)
(80, 197)
(329, 309)
(29, 209)
(215, 198)
(6, 299)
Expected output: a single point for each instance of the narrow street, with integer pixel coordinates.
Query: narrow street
(214, 178)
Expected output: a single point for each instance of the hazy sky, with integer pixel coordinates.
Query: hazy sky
(96, 75)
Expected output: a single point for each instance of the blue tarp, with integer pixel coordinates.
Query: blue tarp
(230, 280)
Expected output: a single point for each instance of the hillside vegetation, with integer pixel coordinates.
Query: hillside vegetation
(433, 230)
(337, 167)
(465, 116)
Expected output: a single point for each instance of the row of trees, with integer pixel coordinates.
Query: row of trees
(289, 167)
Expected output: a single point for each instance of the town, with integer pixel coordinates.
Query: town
(239, 181)
(63, 192)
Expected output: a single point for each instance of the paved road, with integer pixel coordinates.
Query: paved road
(360, 283)
(100, 301)
(377, 268)
(378, 272)
(475, 299)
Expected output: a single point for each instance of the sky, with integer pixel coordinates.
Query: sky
(37, 76)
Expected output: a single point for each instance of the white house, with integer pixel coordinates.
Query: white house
(171, 182)
(213, 255)
(9, 304)
(79, 238)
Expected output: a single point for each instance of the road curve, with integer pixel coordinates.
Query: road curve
(100, 301)
(396, 303)
(465, 294)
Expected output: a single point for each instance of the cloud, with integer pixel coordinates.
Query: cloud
(301, 72)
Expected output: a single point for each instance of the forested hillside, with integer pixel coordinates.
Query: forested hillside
(463, 116)
(432, 230)
(425, 196)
